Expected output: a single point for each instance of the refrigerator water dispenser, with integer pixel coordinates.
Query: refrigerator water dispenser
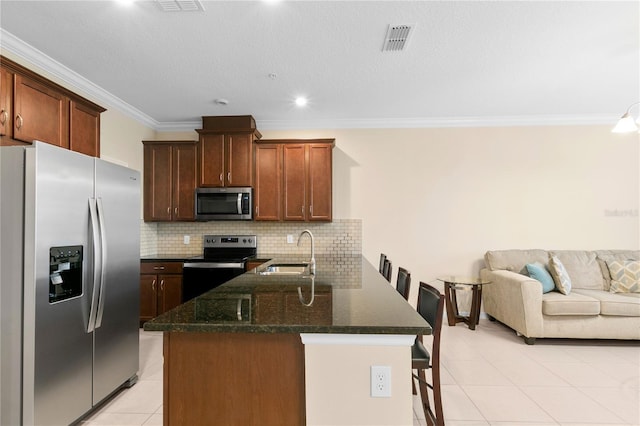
(65, 273)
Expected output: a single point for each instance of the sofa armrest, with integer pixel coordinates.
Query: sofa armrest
(515, 300)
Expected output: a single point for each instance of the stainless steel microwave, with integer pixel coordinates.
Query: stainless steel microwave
(224, 203)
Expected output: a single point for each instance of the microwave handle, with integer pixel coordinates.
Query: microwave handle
(239, 203)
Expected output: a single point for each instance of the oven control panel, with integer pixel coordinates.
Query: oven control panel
(230, 241)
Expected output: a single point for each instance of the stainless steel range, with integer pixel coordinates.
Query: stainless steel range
(224, 258)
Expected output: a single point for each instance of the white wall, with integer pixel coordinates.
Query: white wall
(434, 200)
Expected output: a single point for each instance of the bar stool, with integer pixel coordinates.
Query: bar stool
(431, 307)
(383, 257)
(387, 269)
(403, 282)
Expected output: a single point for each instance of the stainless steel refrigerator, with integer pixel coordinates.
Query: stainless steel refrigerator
(69, 283)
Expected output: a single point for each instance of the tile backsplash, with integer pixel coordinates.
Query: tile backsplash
(340, 236)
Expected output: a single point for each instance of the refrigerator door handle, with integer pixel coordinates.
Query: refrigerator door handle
(103, 263)
(93, 217)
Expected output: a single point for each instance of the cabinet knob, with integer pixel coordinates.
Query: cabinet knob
(168, 210)
(221, 177)
(161, 285)
(175, 210)
(19, 121)
(153, 285)
(229, 177)
(158, 268)
(3, 116)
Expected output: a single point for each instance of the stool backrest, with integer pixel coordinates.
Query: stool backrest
(403, 282)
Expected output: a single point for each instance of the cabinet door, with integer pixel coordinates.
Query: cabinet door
(148, 297)
(239, 154)
(40, 113)
(170, 294)
(6, 98)
(294, 182)
(157, 182)
(212, 151)
(84, 129)
(319, 183)
(268, 183)
(184, 182)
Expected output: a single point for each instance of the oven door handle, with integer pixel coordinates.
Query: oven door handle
(213, 265)
(239, 202)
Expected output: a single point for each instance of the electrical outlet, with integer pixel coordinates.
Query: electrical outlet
(186, 239)
(381, 381)
(290, 239)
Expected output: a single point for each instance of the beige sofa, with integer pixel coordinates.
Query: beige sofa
(589, 311)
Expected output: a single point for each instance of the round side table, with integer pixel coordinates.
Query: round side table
(453, 283)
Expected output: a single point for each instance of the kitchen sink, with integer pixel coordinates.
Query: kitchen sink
(285, 269)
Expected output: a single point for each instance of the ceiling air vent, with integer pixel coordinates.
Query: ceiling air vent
(181, 5)
(397, 38)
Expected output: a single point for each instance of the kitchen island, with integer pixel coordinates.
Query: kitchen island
(290, 349)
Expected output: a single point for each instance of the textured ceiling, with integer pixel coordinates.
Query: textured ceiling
(467, 63)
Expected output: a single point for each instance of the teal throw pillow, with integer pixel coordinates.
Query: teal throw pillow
(537, 271)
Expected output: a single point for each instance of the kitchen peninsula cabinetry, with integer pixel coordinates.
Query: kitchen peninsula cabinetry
(294, 180)
(160, 288)
(169, 180)
(34, 108)
(225, 151)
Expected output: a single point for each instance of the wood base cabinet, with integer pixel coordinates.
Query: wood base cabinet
(160, 288)
(233, 379)
(170, 169)
(294, 180)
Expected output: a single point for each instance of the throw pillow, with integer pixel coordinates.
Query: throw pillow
(537, 271)
(625, 276)
(560, 275)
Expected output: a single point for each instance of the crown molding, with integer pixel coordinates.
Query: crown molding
(71, 79)
(443, 122)
(80, 84)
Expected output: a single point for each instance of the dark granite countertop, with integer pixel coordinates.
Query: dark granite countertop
(165, 258)
(351, 297)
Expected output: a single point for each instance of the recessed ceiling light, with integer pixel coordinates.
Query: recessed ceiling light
(221, 101)
(301, 101)
(125, 3)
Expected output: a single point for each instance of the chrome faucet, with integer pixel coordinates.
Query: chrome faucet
(312, 262)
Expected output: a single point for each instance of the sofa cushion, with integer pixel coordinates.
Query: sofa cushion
(554, 303)
(625, 276)
(583, 268)
(604, 255)
(560, 275)
(614, 304)
(514, 260)
(539, 272)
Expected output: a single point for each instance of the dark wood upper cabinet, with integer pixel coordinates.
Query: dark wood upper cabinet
(268, 182)
(169, 180)
(319, 178)
(84, 129)
(34, 108)
(6, 101)
(226, 151)
(40, 113)
(294, 180)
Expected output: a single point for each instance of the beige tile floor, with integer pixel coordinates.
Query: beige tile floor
(490, 377)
